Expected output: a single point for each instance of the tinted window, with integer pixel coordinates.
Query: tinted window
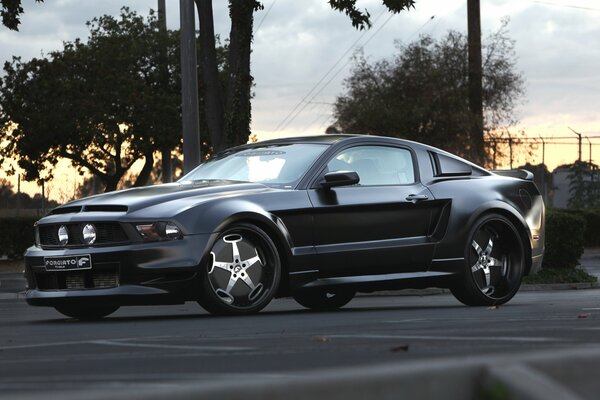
(280, 166)
(376, 165)
(448, 166)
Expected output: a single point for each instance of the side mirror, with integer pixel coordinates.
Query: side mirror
(340, 178)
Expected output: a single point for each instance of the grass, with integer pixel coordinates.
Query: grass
(560, 275)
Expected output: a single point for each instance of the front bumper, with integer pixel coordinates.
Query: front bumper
(163, 272)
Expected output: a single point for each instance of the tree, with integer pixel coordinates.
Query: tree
(10, 12)
(228, 105)
(584, 186)
(422, 93)
(100, 104)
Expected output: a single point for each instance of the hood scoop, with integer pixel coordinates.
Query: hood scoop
(89, 208)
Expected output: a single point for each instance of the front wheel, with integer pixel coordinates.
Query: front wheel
(324, 300)
(86, 312)
(494, 263)
(243, 272)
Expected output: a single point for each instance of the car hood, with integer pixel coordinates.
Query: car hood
(132, 200)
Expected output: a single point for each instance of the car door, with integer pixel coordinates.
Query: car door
(378, 226)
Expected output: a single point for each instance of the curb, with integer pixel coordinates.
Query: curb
(524, 288)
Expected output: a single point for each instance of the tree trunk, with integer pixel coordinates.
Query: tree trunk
(144, 176)
(110, 183)
(237, 110)
(167, 171)
(475, 82)
(213, 101)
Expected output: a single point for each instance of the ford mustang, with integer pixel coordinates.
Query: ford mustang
(317, 218)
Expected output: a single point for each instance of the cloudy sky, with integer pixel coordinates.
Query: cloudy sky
(300, 41)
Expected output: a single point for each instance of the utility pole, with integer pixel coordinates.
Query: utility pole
(590, 144)
(510, 150)
(19, 195)
(167, 170)
(544, 190)
(579, 139)
(189, 86)
(495, 144)
(475, 77)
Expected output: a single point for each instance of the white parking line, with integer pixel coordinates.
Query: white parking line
(127, 342)
(456, 338)
(170, 346)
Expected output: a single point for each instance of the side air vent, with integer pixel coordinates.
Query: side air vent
(105, 208)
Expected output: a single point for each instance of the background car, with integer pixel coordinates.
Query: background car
(318, 218)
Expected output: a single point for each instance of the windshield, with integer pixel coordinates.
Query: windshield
(279, 166)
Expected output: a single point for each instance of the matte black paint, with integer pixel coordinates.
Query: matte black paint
(370, 238)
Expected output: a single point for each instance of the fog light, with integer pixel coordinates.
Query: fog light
(89, 234)
(172, 231)
(63, 235)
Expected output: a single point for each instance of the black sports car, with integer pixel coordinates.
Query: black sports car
(318, 218)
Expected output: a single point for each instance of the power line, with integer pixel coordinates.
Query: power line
(292, 118)
(566, 5)
(277, 128)
(264, 17)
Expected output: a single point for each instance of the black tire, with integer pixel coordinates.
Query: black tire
(86, 312)
(242, 284)
(324, 300)
(494, 263)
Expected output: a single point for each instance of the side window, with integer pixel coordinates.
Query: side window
(376, 165)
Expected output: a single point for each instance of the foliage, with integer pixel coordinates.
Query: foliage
(98, 103)
(16, 235)
(564, 239)
(362, 19)
(422, 93)
(11, 200)
(592, 226)
(584, 185)
(10, 12)
(560, 275)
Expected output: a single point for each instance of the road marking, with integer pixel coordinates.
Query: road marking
(124, 342)
(170, 346)
(457, 338)
(591, 308)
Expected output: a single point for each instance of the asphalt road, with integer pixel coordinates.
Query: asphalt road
(41, 351)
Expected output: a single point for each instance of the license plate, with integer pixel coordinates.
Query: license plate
(68, 263)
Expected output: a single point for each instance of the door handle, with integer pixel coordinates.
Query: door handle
(414, 198)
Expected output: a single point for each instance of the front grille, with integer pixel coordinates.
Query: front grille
(107, 280)
(106, 233)
(103, 275)
(74, 280)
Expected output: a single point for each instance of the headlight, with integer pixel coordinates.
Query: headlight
(37, 236)
(89, 234)
(159, 231)
(63, 235)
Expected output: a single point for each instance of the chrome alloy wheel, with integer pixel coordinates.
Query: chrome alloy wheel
(242, 273)
(481, 271)
(495, 258)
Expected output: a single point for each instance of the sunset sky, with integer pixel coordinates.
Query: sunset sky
(298, 42)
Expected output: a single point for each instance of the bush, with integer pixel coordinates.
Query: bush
(592, 226)
(560, 275)
(16, 235)
(564, 239)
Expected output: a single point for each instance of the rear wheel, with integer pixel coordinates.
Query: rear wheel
(494, 263)
(243, 273)
(323, 300)
(86, 312)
